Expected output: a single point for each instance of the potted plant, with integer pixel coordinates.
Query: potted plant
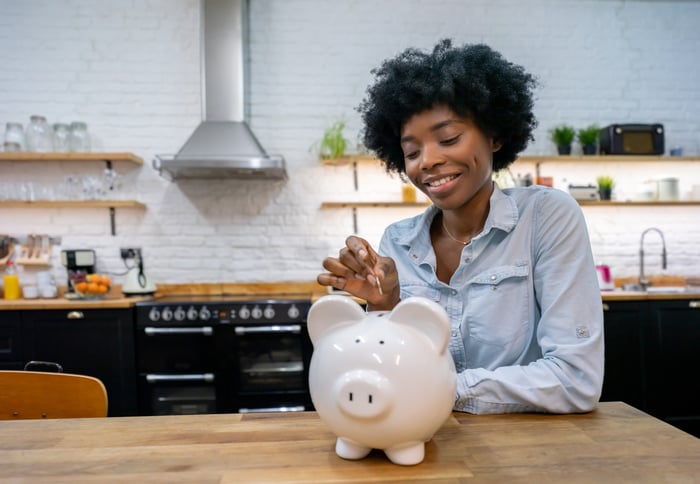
(588, 137)
(562, 136)
(333, 144)
(605, 186)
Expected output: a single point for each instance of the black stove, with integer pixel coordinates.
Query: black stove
(213, 354)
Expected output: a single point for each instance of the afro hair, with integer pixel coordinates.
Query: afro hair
(474, 81)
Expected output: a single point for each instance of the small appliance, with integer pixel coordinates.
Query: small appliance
(632, 139)
(136, 283)
(78, 262)
(581, 192)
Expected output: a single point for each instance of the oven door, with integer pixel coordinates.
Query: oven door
(182, 394)
(271, 358)
(271, 367)
(176, 370)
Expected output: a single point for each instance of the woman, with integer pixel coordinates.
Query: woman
(513, 268)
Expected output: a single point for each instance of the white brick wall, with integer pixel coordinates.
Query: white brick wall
(131, 70)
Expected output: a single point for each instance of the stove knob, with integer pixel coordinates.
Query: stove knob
(167, 314)
(180, 314)
(293, 312)
(204, 314)
(154, 314)
(257, 312)
(244, 312)
(192, 313)
(269, 312)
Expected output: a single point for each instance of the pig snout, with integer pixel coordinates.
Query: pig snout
(364, 393)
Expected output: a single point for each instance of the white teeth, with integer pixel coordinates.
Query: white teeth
(441, 181)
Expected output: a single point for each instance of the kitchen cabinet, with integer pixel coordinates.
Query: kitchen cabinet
(10, 341)
(95, 342)
(107, 158)
(627, 331)
(674, 383)
(652, 359)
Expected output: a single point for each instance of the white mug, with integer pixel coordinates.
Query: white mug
(667, 189)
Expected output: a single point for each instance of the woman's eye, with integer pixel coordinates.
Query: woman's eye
(449, 141)
(411, 155)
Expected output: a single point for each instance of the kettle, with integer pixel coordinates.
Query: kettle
(137, 283)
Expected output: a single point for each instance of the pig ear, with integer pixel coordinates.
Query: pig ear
(426, 316)
(331, 312)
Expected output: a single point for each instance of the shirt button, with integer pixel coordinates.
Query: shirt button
(493, 277)
(467, 259)
(454, 332)
(493, 288)
(454, 292)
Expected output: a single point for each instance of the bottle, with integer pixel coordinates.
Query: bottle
(39, 135)
(408, 193)
(11, 281)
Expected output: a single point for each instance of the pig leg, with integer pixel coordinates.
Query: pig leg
(407, 454)
(347, 449)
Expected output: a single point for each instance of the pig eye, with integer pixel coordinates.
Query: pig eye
(381, 341)
(357, 340)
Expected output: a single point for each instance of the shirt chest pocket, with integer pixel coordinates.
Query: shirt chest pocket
(498, 309)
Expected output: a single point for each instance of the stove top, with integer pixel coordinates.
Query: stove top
(184, 309)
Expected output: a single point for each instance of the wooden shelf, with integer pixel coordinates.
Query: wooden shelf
(597, 203)
(82, 157)
(107, 158)
(374, 204)
(605, 158)
(346, 160)
(622, 203)
(349, 159)
(72, 203)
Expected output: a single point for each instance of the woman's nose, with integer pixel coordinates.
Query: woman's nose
(430, 156)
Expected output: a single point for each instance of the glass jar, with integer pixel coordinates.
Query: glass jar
(79, 137)
(39, 135)
(61, 133)
(14, 137)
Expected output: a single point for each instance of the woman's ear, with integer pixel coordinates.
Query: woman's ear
(495, 145)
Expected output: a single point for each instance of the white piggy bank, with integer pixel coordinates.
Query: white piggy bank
(381, 380)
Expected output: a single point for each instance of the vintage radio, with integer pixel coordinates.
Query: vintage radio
(632, 139)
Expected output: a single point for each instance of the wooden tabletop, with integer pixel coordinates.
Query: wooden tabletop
(615, 443)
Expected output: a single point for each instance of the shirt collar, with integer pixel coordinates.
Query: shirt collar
(503, 215)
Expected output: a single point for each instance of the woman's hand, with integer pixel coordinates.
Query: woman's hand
(360, 271)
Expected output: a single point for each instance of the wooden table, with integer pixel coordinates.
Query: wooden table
(616, 443)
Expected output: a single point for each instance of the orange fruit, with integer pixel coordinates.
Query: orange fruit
(102, 289)
(106, 281)
(92, 287)
(81, 286)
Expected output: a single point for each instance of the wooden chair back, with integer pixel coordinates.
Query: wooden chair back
(38, 394)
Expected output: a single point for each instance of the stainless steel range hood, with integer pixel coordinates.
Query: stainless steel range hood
(223, 145)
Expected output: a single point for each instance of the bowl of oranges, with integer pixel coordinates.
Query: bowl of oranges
(91, 286)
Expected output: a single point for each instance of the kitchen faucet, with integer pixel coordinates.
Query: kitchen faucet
(644, 283)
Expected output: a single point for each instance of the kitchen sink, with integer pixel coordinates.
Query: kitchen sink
(656, 289)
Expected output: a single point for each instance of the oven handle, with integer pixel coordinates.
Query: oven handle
(298, 408)
(285, 328)
(204, 330)
(159, 377)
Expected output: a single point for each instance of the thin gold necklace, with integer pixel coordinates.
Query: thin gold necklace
(451, 236)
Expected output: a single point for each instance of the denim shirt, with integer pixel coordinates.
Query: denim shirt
(524, 304)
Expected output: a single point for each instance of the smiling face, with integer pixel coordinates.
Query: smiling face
(448, 157)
